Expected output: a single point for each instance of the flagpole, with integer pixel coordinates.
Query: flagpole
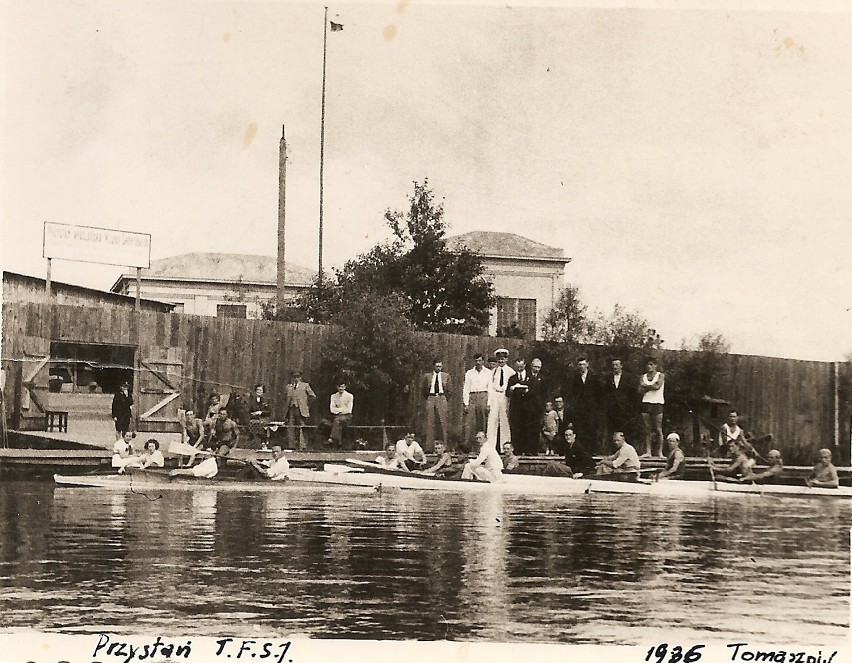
(322, 137)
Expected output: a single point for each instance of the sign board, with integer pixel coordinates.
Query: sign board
(101, 245)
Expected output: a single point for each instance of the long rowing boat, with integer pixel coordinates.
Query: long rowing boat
(360, 475)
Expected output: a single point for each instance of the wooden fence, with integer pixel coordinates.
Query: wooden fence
(793, 400)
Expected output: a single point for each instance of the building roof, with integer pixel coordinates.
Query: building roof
(224, 267)
(504, 245)
(13, 279)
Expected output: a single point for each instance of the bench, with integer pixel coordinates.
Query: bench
(57, 419)
(306, 436)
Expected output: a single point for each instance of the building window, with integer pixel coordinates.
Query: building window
(516, 314)
(231, 311)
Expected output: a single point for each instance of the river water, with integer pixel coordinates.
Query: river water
(339, 562)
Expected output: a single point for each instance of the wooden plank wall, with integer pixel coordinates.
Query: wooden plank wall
(791, 399)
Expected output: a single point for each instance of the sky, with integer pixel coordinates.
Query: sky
(694, 164)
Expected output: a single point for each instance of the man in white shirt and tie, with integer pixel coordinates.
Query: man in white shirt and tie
(436, 387)
(475, 399)
(498, 403)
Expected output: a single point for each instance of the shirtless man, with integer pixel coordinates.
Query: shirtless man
(771, 474)
(740, 468)
(509, 459)
(824, 474)
(392, 459)
(445, 465)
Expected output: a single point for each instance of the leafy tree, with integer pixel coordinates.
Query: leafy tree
(377, 350)
(568, 319)
(623, 329)
(445, 291)
(701, 368)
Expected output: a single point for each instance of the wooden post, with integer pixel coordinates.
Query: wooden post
(47, 280)
(18, 377)
(837, 423)
(137, 358)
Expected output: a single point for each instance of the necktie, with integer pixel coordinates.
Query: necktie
(435, 388)
(501, 377)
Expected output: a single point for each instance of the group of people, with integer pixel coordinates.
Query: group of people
(514, 404)
(227, 417)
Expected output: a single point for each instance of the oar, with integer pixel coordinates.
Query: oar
(712, 471)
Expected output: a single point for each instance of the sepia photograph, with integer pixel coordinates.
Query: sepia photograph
(448, 331)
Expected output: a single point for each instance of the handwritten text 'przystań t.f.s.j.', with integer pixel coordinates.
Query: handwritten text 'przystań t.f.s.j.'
(260, 650)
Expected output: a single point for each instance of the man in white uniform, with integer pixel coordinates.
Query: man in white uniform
(498, 402)
(487, 466)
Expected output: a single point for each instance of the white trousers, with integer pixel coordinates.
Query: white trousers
(498, 418)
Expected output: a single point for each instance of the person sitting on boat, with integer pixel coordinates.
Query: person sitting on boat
(740, 469)
(392, 459)
(225, 430)
(623, 465)
(207, 468)
(412, 452)
(276, 470)
(511, 463)
(487, 466)
(577, 459)
(675, 461)
(824, 474)
(771, 474)
(445, 465)
(151, 455)
(122, 453)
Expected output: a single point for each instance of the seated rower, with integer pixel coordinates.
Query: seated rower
(412, 452)
(445, 465)
(676, 461)
(771, 474)
(739, 471)
(511, 463)
(577, 459)
(824, 474)
(207, 468)
(487, 466)
(151, 455)
(276, 470)
(392, 459)
(623, 465)
(122, 453)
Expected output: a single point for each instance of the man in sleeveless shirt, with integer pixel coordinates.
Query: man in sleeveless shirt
(652, 387)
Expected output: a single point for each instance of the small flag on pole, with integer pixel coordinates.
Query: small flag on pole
(336, 27)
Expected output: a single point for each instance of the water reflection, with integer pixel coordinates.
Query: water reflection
(336, 563)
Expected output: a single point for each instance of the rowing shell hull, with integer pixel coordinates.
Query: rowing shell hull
(511, 484)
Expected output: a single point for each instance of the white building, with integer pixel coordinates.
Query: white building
(217, 284)
(527, 276)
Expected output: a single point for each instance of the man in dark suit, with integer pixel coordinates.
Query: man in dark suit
(526, 394)
(621, 401)
(435, 387)
(297, 410)
(583, 393)
(562, 422)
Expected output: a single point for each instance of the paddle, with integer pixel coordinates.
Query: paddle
(712, 469)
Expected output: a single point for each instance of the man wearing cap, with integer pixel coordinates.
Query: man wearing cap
(771, 474)
(676, 461)
(475, 398)
(436, 386)
(498, 403)
(297, 397)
